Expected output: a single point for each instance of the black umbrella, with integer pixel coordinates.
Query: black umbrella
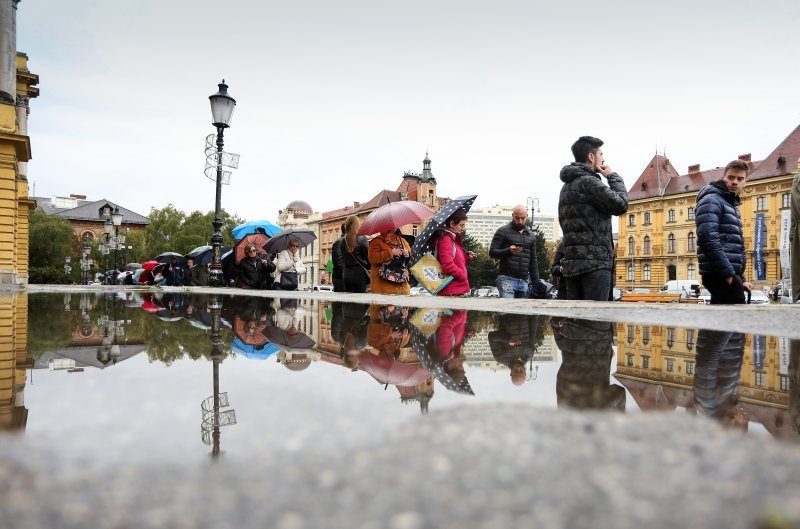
(281, 240)
(293, 340)
(166, 256)
(436, 367)
(204, 257)
(437, 222)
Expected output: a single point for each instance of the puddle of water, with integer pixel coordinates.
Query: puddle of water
(175, 377)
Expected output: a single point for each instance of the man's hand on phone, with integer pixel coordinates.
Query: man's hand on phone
(515, 249)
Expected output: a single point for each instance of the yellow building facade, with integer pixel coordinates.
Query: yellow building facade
(658, 235)
(14, 361)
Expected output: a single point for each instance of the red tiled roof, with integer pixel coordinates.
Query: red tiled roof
(409, 185)
(647, 185)
(693, 182)
(789, 149)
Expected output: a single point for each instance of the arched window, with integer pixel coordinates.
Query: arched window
(631, 246)
(646, 249)
(631, 272)
(671, 243)
(691, 241)
(646, 273)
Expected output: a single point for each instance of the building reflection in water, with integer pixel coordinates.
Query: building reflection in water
(14, 361)
(583, 378)
(659, 366)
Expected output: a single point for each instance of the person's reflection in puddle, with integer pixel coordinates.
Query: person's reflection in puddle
(716, 378)
(442, 352)
(514, 343)
(583, 378)
(388, 329)
(349, 323)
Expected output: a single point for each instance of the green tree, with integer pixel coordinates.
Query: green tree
(165, 225)
(51, 239)
(542, 257)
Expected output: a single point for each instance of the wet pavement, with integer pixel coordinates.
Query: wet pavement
(173, 408)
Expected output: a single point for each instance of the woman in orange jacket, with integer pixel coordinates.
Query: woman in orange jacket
(391, 249)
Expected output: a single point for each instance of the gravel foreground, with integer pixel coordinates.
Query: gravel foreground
(478, 467)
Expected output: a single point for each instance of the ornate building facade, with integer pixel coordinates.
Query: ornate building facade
(658, 237)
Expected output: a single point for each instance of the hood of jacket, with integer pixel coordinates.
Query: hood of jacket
(576, 170)
(718, 187)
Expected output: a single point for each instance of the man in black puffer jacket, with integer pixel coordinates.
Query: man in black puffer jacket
(720, 244)
(514, 245)
(585, 207)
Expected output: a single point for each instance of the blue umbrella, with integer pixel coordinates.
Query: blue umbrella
(250, 227)
(254, 352)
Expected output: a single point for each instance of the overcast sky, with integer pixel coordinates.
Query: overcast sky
(337, 99)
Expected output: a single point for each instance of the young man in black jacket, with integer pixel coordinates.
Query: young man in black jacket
(585, 207)
(514, 245)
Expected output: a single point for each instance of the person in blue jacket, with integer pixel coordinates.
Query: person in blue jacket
(720, 243)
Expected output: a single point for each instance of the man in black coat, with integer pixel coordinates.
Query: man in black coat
(338, 263)
(514, 245)
(720, 244)
(585, 207)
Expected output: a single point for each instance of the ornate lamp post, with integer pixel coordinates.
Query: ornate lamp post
(125, 246)
(222, 106)
(533, 204)
(108, 227)
(67, 267)
(213, 417)
(116, 220)
(85, 260)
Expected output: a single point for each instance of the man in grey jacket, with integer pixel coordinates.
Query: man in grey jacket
(585, 207)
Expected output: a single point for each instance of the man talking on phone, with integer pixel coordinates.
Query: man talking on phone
(514, 245)
(585, 207)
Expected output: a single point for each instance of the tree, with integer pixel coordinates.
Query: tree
(50, 240)
(482, 270)
(165, 224)
(542, 257)
(171, 230)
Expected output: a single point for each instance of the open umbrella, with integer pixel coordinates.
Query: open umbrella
(386, 370)
(132, 267)
(254, 352)
(258, 239)
(280, 241)
(149, 265)
(291, 339)
(228, 265)
(205, 256)
(418, 341)
(437, 222)
(166, 256)
(251, 226)
(393, 215)
(249, 332)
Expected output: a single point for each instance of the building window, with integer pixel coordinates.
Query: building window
(671, 215)
(689, 368)
(414, 230)
(631, 272)
(647, 218)
(630, 333)
(646, 273)
(786, 200)
(784, 383)
(631, 220)
(761, 203)
(689, 340)
(631, 246)
(670, 365)
(671, 243)
(759, 379)
(690, 272)
(630, 360)
(646, 247)
(646, 334)
(670, 337)
(691, 240)
(645, 362)
(690, 214)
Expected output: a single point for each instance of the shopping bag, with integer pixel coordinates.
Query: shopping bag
(428, 320)
(429, 273)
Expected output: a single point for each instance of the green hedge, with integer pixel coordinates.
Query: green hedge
(52, 275)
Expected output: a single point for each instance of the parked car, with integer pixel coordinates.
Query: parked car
(487, 292)
(786, 293)
(419, 291)
(322, 288)
(757, 297)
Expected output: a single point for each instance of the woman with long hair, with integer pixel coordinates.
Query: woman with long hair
(355, 255)
(451, 255)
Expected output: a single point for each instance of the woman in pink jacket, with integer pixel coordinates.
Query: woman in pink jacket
(451, 255)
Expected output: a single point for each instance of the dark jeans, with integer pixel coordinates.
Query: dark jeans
(338, 284)
(591, 286)
(722, 293)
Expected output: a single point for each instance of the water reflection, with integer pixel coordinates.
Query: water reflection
(390, 351)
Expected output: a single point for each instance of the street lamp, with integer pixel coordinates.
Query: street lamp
(222, 106)
(116, 220)
(108, 227)
(533, 204)
(125, 246)
(87, 248)
(67, 267)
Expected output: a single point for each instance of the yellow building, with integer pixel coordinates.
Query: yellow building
(658, 238)
(17, 86)
(14, 361)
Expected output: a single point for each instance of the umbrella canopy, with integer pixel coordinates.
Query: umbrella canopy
(254, 352)
(166, 256)
(136, 274)
(293, 340)
(418, 341)
(228, 266)
(197, 250)
(243, 229)
(149, 265)
(259, 239)
(437, 222)
(393, 215)
(386, 370)
(280, 241)
(250, 332)
(132, 267)
(204, 257)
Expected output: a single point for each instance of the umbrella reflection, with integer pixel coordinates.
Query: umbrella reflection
(443, 352)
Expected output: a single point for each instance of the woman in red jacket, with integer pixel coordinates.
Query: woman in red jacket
(451, 255)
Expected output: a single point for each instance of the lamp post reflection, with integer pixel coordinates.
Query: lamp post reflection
(213, 418)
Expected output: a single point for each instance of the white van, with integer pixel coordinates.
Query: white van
(687, 288)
